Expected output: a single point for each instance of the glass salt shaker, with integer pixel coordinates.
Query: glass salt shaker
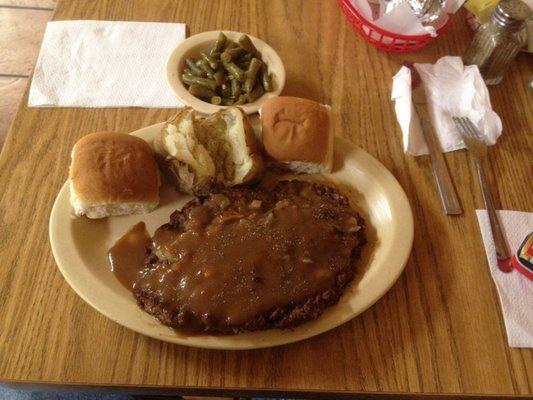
(497, 42)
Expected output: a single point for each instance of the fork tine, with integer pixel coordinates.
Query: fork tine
(457, 125)
(466, 128)
(461, 127)
(477, 134)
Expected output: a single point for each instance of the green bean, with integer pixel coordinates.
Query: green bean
(219, 77)
(202, 92)
(216, 100)
(266, 79)
(234, 71)
(194, 68)
(225, 57)
(219, 44)
(204, 65)
(244, 59)
(225, 90)
(229, 72)
(243, 66)
(213, 63)
(255, 66)
(243, 99)
(235, 88)
(251, 74)
(248, 85)
(188, 79)
(257, 92)
(195, 80)
(247, 44)
(226, 101)
(232, 54)
(230, 44)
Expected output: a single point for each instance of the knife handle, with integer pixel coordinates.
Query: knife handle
(502, 249)
(448, 196)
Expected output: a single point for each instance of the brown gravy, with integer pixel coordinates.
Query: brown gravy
(126, 257)
(225, 266)
(228, 260)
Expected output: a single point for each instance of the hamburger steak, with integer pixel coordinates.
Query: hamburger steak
(250, 259)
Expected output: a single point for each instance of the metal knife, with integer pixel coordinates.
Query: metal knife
(448, 196)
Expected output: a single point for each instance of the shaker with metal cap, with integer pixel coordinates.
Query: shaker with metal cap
(496, 42)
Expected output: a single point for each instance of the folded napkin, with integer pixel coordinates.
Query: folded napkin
(105, 64)
(514, 289)
(452, 89)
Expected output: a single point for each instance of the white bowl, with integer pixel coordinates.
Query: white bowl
(191, 48)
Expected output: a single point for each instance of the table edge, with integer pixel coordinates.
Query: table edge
(133, 389)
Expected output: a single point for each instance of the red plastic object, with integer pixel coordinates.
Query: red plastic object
(522, 260)
(521, 268)
(381, 38)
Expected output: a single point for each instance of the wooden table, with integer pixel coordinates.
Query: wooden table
(438, 330)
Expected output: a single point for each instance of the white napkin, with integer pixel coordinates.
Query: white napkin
(105, 64)
(514, 289)
(452, 89)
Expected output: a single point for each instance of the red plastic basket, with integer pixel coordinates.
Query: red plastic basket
(381, 38)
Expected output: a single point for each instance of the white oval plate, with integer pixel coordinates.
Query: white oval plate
(191, 47)
(79, 246)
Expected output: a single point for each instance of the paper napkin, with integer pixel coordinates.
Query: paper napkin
(452, 90)
(514, 289)
(105, 64)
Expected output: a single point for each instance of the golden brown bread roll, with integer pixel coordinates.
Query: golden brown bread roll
(296, 133)
(113, 174)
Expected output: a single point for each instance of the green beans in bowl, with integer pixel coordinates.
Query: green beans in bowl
(215, 69)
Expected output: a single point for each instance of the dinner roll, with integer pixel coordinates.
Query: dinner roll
(296, 133)
(113, 174)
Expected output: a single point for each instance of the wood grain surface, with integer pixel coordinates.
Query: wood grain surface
(22, 31)
(438, 330)
(11, 91)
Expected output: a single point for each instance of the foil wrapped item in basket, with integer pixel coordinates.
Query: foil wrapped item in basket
(399, 25)
(430, 13)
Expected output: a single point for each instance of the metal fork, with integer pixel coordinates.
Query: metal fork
(478, 150)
